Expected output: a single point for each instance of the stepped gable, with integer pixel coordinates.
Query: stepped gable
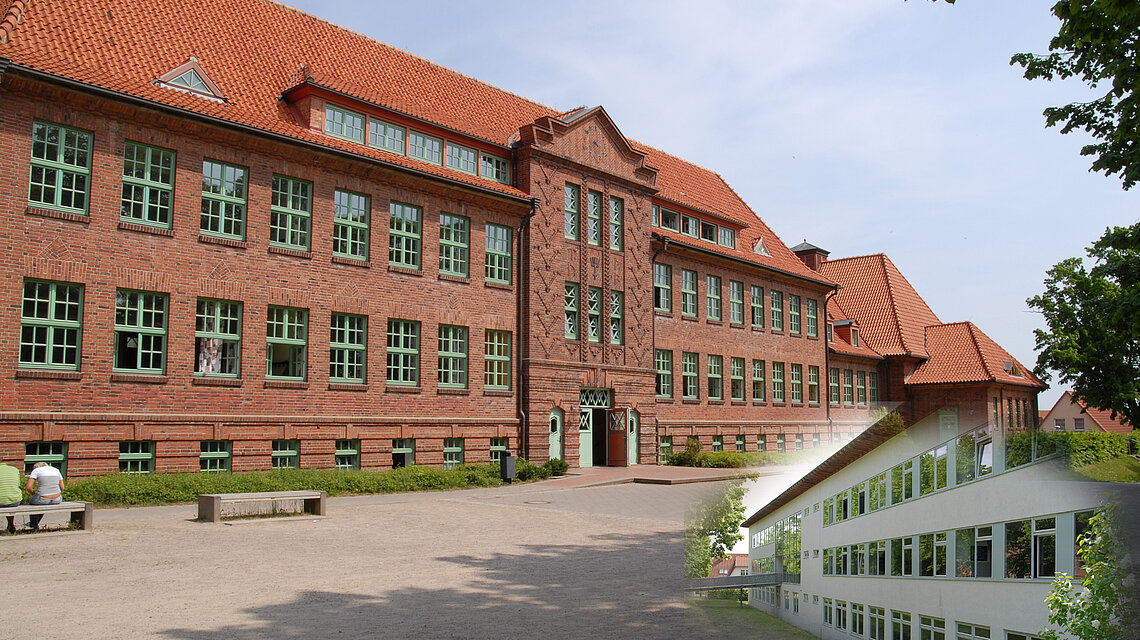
(892, 316)
(960, 352)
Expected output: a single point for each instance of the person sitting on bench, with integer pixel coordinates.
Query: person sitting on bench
(10, 495)
(47, 484)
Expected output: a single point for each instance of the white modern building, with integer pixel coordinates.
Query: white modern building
(946, 529)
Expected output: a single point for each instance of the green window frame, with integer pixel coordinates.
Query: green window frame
(452, 452)
(403, 352)
(462, 158)
(348, 346)
(594, 217)
(215, 455)
(60, 167)
(217, 338)
(777, 306)
(718, 443)
(454, 245)
(759, 386)
(286, 343)
(404, 445)
(758, 307)
(727, 238)
(797, 375)
(290, 213)
(662, 287)
(663, 361)
(342, 123)
(617, 321)
(741, 444)
(424, 147)
(51, 325)
(404, 235)
(498, 258)
(140, 332)
(688, 292)
(712, 296)
(848, 386)
(813, 384)
(285, 454)
(571, 209)
(52, 452)
(777, 382)
(690, 226)
(225, 190)
(148, 184)
(495, 168)
(497, 360)
(861, 388)
(873, 387)
(594, 314)
(716, 377)
(666, 449)
(735, 302)
(387, 136)
(136, 456)
(736, 373)
(346, 456)
(452, 350)
(812, 318)
(498, 448)
(833, 386)
(351, 226)
(670, 220)
(617, 220)
(794, 314)
(690, 388)
(573, 305)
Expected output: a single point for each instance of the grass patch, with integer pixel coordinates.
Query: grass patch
(1124, 469)
(726, 618)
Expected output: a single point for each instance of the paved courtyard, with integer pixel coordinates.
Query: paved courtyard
(562, 558)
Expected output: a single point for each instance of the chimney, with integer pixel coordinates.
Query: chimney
(811, 255)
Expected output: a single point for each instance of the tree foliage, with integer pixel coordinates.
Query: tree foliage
(713, 529)
(1093, 320)
(1099, 42)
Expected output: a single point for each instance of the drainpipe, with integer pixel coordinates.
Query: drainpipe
(653, 338)
(523, 283)
(827, 366)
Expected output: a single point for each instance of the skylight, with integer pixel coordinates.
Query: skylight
(191, 78)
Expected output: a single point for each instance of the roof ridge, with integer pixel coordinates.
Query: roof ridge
(866, 255)
(381, 43)
(978, 348)
(894, 305)
(12, 17)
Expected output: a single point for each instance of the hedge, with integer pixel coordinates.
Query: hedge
(1081, 448)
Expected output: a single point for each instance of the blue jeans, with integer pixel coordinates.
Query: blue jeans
(34, 520)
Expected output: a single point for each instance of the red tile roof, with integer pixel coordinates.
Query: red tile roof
(842, 347)
(728, 564)
(11, 17)
(1102, 417)
(961, 352)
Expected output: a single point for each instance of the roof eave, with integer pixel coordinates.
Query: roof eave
(665, 239)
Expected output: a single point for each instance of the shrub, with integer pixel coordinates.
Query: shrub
(692, 456)
(1093, 447)
(1134, 442)
(527, 470)
(557, 466)
(724, 460)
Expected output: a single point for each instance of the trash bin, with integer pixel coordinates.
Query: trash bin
(506, 467)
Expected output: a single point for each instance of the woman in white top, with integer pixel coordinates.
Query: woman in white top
(46, 486)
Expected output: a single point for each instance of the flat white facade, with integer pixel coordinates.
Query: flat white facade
(937, 565)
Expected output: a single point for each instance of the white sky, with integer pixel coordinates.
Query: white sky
(862, 127)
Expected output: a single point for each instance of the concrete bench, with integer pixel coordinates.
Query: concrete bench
(210, 504)
(82, 513)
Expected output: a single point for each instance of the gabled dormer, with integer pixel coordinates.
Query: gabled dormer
(588, 137)
(191, 78)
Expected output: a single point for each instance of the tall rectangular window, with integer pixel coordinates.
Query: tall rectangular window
(51, 322)
(663, 360)
(727, 238)
(735, 302)
(572, 308)
(497, 360)
(794, 314)
(498, 447)
(224, 192)
(662, 287)
(343, 123)
(777, 299)
(386, 136)
(462, 158)
(736, 370)
(688, 292)
(1045, 548)
(454, 240)
(403, 352)
(594, 314)
(877, 624)
(873, 387)
(452, 369)
(214, 455)
(666, 449)
(136, 456)
(813, 384)
(757, 307)
(932, 469)
(861, 388)
(797, 373)
(287, 337)
(217, 338)
(777, 382)
(758, 384)
(148, 184)
(857, 619)
(350, 224)
(290, 213)
(902, 482)
(61, 167)
(833, 385)
(716, 382)
(140, 331)
(741, 445)
(346, 456)
(712, 295)
(617, 328)
(498, 258)
(347, 348)
(617, 221)
(812, 318)
(848, 386)
(452, 452)
(690, 385)
(286, 454)
(425, 147)
(932, 628)
(900, 626)
(496, 168)
(571, 209)
(404, 235)
(594, 217)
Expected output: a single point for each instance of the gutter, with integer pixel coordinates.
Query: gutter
(260, 133)
(4, 64)
(520, 306)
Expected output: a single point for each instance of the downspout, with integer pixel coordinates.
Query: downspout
(827, 366)
(653, 339)
(520, 306)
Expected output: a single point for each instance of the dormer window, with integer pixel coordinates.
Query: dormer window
(690, 226)
(854, 337)
(759, 248)
(343, 123)
(708, 231)
(830, 335)
(1012, 369)
(727, 238)
(670, 220)
(191, 78)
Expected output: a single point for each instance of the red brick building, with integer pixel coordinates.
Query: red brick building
(332, 252)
